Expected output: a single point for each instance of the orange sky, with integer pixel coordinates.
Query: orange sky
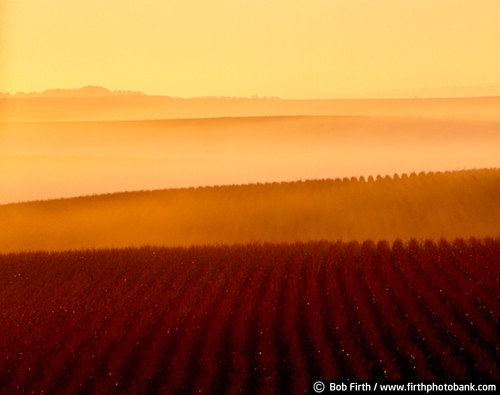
(286, 48)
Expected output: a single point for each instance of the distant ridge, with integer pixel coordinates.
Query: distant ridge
(86, 91)
(445, 92)
(96, 91)
(100, 104)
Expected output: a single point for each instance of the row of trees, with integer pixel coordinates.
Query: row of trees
(455, 204)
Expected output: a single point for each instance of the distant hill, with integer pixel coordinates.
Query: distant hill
(94, 103)
(433, 205)
(86, 91)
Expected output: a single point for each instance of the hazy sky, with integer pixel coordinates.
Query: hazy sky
(286, 48)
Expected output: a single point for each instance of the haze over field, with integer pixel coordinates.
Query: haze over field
(185, 94)
(46, 160)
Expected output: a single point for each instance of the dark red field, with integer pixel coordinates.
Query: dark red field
(248, 318)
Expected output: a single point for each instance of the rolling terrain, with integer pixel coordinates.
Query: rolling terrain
(250, 285)
(70, 143)
(432, 205)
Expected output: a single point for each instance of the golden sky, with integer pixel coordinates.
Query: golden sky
(286, 48)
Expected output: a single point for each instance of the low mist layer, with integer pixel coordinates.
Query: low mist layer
(457, 204)
(47, 160)
(68, 106)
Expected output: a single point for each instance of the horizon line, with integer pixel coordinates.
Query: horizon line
(100, 91)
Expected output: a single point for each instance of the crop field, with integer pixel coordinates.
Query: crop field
(250, 318)
(458, 204)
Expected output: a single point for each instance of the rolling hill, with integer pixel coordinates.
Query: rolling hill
(432, 205)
